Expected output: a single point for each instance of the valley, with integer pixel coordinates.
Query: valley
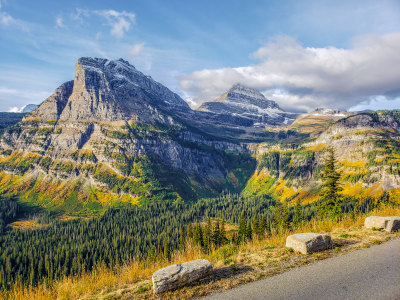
(115, 169)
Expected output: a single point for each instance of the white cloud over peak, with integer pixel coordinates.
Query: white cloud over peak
(303, 78)
(136, 49)
(120, 22)
(13, 109)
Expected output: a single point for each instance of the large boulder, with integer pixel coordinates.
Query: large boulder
(388, 223)
(309, 242)
(179, 275)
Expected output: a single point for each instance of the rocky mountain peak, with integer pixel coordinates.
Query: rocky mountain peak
(120, 77)
(248, 103)
(27, 108)
(243, 95)
(112, 90)
(112, 126)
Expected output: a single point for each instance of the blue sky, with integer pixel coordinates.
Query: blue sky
(303, 54)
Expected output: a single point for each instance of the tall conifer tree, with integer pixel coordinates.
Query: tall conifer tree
(330, 198)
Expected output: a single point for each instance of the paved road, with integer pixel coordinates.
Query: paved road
(372, 273)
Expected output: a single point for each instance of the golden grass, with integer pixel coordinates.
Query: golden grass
(245, 263)
(26, 224)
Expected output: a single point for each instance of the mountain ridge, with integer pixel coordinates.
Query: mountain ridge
(113, 135)
(251, 104)
(113, 129)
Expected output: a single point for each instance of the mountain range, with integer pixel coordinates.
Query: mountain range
(113, 136)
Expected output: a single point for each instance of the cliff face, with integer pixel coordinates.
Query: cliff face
(367, 150)
(114, 135)
(113, 127)
(317, 121)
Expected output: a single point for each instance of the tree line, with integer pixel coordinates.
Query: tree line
(65, 248)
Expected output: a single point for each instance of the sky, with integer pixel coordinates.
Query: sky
(302, 54)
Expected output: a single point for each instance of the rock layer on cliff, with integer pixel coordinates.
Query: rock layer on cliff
(116, 128)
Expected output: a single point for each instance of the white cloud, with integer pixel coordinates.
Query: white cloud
(120, 22)
(60, 22)
(7, 21)
(310, 77)
(13, 109)
(136, 49)
(79, 14)
(20, 96)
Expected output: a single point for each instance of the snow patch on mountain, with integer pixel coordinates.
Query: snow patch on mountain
(329, 112)
(249, 103)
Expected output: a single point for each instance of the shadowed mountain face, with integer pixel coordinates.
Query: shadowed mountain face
(249, 104)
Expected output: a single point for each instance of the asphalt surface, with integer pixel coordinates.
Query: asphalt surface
(371, 273)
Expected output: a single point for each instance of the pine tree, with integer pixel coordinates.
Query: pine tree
(297, 213)
(235, 238)
(256, 226)
(182, 240)
(207, 235)
(222, 232)
(330, 189)
(263, 225)
(151, 256)
(281, 215)
(242, 227)
(167, 249)
(189, 233)
(249, 231)
(198, 235)
(216, 234)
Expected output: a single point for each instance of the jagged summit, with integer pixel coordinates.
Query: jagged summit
(248, 103)
(109, 90)
(103, 92)
(124, 78)
(27, 108)
(241, 94)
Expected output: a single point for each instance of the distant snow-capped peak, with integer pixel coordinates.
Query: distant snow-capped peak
(24, 109)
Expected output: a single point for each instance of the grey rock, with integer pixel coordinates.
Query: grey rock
(179, 275)
(109, 97)
(393, 224)
(247, 104)
(389, 224)
(309, 242)
(28, 108)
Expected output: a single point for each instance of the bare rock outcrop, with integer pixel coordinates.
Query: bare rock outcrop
(309, 242)
(389, 224)
(179, 275)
